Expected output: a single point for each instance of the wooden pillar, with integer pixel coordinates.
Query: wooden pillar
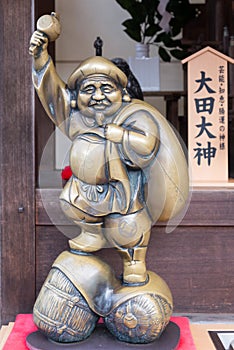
(17, 190)
(172, 109)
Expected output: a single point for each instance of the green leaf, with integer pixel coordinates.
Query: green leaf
(150, 5)
(132, 29)
(151, 30)
(133, 35)
(175, 26)
(131, 23)
(169, 42)
(182, 10)
(160, 37)
(145, 16)
(179, 54)
(164, 54)
(134, 8)
(138, 12)
(125, 4)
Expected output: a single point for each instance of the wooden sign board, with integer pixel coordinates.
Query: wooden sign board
(208, 116)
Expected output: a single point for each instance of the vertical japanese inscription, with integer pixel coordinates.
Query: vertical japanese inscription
(204, 108)
(222, 111)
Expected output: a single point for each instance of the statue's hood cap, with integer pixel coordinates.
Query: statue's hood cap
(96, 65)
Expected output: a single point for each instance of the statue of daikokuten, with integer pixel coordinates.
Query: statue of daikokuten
(128, 171)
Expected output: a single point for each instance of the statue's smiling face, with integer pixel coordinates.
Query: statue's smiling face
(99, 95)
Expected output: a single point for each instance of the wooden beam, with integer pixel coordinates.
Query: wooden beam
(206, 207)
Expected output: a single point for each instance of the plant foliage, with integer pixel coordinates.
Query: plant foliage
(144, 25)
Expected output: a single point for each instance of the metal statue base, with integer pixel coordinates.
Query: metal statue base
(101, 338)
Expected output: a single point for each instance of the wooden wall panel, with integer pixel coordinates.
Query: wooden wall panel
(198, 265)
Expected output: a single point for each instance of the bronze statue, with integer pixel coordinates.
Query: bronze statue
(128, 170)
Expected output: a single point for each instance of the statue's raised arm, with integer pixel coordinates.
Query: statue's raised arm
(49, 86)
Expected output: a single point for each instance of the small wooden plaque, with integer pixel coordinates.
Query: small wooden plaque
(208, 116)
